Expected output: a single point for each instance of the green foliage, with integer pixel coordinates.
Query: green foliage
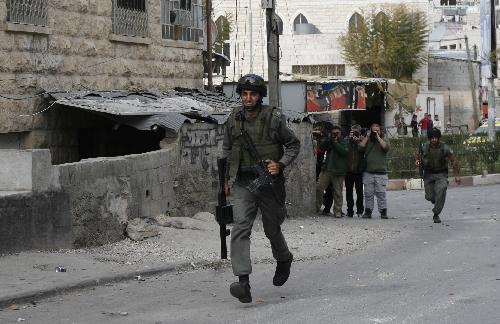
(387, 45)
(473, 158)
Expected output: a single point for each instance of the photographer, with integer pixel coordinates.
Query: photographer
(334, 171)
(354, 176)
(375, 175)
(320, 132)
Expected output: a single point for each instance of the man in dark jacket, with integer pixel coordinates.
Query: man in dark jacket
(354, 176)
(335, 170)
(277, 146)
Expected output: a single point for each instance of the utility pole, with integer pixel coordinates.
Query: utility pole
(493, 74)
(272, 52)
(472, 82)
(208, 14)
(250, 24)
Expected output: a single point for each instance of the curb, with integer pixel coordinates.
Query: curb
(6, 301)
(467, 181)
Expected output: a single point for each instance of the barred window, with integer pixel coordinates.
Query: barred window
(323, 70)
(31, 12)
(182, 20)
(130, 17)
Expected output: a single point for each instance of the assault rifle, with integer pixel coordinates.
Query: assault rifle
(264, 177)
(420, 160)
(223, 211)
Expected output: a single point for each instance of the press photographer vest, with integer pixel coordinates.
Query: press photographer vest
(259, 129)
(434, 159)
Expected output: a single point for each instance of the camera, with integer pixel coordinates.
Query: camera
(373, 134)
(356, 134)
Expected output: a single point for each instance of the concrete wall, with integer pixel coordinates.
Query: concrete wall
(78, 51)
(97, 197)
(34, 221)
(454, 74)
(29, 170)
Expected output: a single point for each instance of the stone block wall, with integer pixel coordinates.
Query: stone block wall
(78, 51)
(35, 221)
(104, 193)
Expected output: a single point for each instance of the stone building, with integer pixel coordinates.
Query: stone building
(88, 45)
(93, 133)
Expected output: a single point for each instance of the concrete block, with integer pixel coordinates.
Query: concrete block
(414, 184)
(15, 170)
(486, 180)
(466, 181)
(396, 184)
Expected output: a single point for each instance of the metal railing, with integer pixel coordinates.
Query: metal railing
(130, 18)
(181, 23)
(31, 12)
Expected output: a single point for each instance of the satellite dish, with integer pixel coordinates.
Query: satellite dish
(214, 33)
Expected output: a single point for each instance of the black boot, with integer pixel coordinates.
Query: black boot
(436, 218)
(241, 290)
(383, 213)
(282, 271)
(368, 213)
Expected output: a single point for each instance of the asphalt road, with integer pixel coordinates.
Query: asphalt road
(431, 273)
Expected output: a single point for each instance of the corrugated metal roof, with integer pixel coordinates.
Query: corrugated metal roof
(171, 109)
(143, 110)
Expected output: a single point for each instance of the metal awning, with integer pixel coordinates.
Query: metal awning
(144, 110)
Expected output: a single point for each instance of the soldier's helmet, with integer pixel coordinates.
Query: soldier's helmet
(434, 132)
(252, 82)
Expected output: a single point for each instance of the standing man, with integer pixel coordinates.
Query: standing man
(277, 146)
(437, 123)
(424, 123)
(375, 176)
(335, 170)
(434, 158)
(326, 128)
(354, 176)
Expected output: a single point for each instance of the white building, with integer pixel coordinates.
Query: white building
(309, 33)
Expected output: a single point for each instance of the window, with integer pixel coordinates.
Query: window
(182, 20)
(380, 19)
(130, 17)
(31, 12)
(280, 25)
(356, 22)
(453, 46)
(300, 19)
(323, 70)
(223, 31)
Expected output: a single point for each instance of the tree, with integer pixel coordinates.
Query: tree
(388, 44)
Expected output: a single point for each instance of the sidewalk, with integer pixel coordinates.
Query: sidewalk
(29, 276)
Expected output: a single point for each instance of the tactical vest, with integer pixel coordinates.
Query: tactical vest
(434, 159)
(260, 129)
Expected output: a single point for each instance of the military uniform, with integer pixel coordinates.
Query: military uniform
(435, 164)
(274, 141)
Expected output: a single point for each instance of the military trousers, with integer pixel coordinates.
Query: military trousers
(375, 186)
(354, 181)
(435, 185)
(271, 204)
(337, 181)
